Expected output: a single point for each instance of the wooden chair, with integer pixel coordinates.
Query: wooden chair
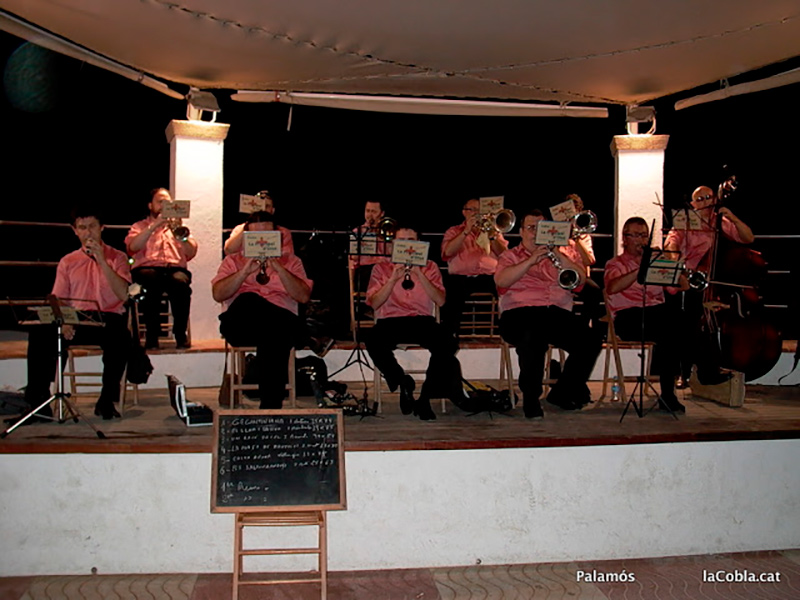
(237, 365)
(481, 317)
(506, 372)
(79, 386)
(166, 333)
(378, 376)
(357, 299)
(611, 348)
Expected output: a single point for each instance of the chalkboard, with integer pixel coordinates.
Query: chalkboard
(277, 460)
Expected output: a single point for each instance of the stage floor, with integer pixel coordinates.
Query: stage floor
(769, 412)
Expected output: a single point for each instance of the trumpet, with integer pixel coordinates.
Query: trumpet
(501, 221)
(387, 229)
(408, 283)
(179, 230)
(583, 223)
(568, 279)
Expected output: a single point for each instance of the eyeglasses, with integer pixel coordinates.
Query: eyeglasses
(465, 209)
(704, 198)
(636, 235)
(529, 227)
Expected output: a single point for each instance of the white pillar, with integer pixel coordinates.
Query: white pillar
(638, 181)
(196, 152)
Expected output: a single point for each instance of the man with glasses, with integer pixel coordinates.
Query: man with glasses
(536, 311)
(693, 246)
(639, 309)
(471, 254)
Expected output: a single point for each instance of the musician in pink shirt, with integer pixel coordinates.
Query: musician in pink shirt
(637, 308)
(93, 279)
(261, 307)
(405, 315)
(537, 311)
(234, 242)
(694, 248)
(159, 265)
(471, 256)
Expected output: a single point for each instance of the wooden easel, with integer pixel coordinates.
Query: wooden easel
(278, 468)
(281, 519)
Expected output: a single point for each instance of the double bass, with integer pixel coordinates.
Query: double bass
(734, 320)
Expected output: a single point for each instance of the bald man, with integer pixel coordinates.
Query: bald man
(695, 248)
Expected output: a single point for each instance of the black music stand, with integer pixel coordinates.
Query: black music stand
(64, 404)
(645, 278)
(357, 356)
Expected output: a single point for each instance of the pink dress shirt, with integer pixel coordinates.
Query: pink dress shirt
(404, 303)
(695, 244)
(273, 291)
(79, 276)
(161, 250)
(471, 259)
(287, 245)
(630, 297)
(539, 286)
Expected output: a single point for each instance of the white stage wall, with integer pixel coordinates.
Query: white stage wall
(149, 513)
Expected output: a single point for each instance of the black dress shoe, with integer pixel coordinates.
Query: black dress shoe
(563, 402)
(106, 410)
(422, 408)
(151, 345)
(671, 404)
(407, 386)
(532, 409)
(183, 345)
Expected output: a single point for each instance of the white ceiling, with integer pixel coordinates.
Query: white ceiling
(580, 51)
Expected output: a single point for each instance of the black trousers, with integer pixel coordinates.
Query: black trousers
(530, 329)
(176, 282)
(694, 346)
(253, 321)
(114, 339)
(441, 376)
(458, 289)
(659, 327)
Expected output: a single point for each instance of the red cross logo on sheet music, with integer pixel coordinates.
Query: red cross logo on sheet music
(492, 204)
(262, 242)
(410, 251)
(553, 230)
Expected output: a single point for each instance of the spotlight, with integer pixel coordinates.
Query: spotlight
(640, 114)
(199, 103)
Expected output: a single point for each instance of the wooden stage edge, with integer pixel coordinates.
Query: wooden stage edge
(769, 413)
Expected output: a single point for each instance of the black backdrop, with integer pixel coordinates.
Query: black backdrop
(71, 131)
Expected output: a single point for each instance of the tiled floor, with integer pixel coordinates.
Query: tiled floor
(674, 578)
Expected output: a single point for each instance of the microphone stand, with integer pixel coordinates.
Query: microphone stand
(64, 404)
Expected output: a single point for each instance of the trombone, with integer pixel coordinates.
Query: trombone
(386, 229)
